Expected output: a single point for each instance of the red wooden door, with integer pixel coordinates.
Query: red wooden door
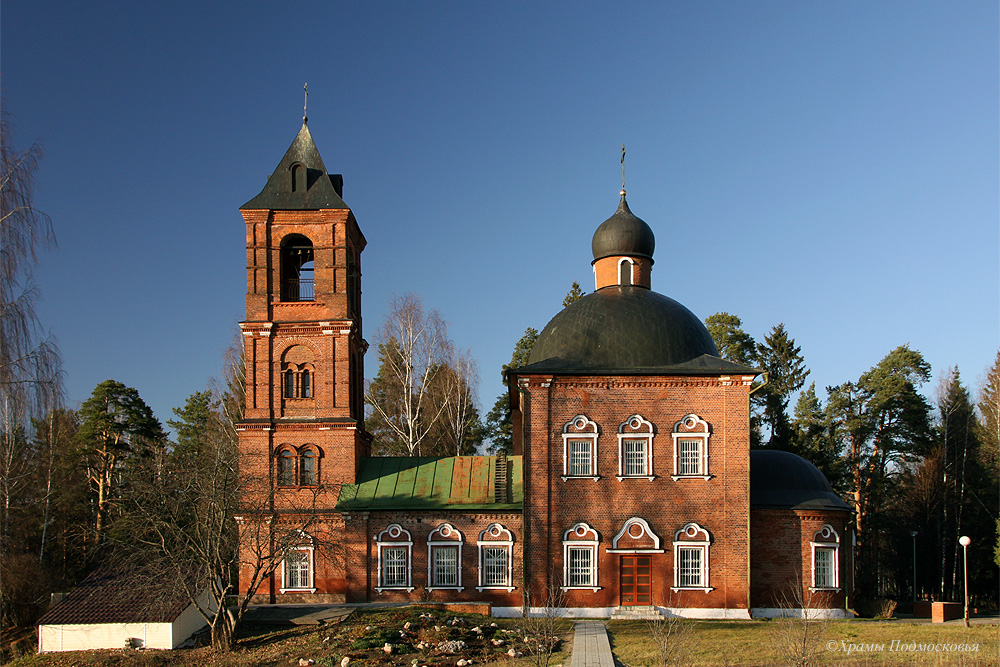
(636, 581)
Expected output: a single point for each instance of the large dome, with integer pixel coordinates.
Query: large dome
(622, 328)
(623, 234)
(783, 480)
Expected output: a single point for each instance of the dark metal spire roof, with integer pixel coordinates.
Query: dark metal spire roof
(623, 234)
(300, 182)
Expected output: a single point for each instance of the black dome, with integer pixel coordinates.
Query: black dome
(787, 481)
(623, 234)
(625, 328)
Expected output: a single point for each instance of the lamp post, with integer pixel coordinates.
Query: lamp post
(965, 542)
(913, 534)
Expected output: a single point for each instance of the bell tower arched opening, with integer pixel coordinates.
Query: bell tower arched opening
(298, 277)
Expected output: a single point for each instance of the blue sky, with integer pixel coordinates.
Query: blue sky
(832, 166)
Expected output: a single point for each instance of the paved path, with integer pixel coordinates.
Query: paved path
(590, 645)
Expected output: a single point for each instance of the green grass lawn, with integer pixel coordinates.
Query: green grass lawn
(783, 642)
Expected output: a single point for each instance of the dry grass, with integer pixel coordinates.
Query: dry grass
(752, 644)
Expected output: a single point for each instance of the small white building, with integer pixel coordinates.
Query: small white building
(109, 611)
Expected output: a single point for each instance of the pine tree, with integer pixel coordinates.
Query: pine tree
(575, 294)
(786, 371)
(811, 438)
(733, 343)
(498, 426)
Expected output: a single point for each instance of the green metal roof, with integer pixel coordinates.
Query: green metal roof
(422, 482)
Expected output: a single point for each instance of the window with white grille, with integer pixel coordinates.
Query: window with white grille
(635, 448)
(691, 441)
(495, 544)
(445, 566)
(580, 448)
(394, 567)
(494, 566)
(581, 566)
(825, 552)
(690, 457)
(394, 558)
(633, 457)
(580, 458)
(297, 574)
(691, 558)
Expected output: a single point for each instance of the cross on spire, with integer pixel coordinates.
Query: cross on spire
(623, 171)
(305, 103)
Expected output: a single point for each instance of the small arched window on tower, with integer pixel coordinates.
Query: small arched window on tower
(297, 373)
(625, 271)
(286, 468)
(298, 173)
(297, 269)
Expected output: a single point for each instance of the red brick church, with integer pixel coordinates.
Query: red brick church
(632, 485)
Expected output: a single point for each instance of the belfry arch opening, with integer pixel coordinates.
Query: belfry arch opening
(298, 282)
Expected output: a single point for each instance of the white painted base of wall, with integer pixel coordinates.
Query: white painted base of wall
(605, 612)
(778, 612)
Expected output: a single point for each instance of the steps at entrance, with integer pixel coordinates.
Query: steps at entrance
(636, 614)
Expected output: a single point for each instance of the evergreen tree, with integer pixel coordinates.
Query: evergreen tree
(786, 371)
(498, 428)
(575, 294)
(880, 422)
(733, 343)
(117, 430)
(193, 424)
(811, 438)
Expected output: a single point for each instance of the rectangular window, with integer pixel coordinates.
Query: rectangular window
(495, 566)
(580, 459)
(824, 565)
(394, 567)
(297, 570)
(691, 573)
(689, 456)
(445, 566)
(581, 566)
(634, 457)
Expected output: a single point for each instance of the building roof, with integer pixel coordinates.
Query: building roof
(782, 480)
(421, 482)
(623, 329)
(111, 595)
(322, 190)
(623, 234)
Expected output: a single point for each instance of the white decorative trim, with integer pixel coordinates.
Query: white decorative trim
(631, 272)
(644, 529)
(309, 547)
(497, 531)
(582, 429)
(576, 538)
(447, 538)
(826, 538)
(687, 538)
(639, 429)
(691, 422)
(395, 532)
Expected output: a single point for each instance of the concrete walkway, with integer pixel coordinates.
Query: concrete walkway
(591, 647)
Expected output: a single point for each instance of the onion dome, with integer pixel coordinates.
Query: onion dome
(623, 235)
(782, 480)
(625, 329)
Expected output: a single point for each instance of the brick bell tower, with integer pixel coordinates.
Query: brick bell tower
(303, 430)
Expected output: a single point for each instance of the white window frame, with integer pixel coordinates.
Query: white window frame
(577, 538)
(495, 536)
(445, 535)
(635, 428)
(689, 423)
(304, 543)
(694, 537)
(631, 271)
(826, 538)
(580, 428)
(388, 538)
(636, 528)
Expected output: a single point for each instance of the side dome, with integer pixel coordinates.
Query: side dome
(782, 480)
(622, 328)
(623, 234)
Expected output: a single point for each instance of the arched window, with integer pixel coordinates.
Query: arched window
(286, 468)
(444, 558)
(495, 558)
(308, 468)
(297, 566)
(297, 372)
(394, 550)
(625, 271)
(635, 448)
(289, 383)
(305, 388)
(580, 448)
(691, 545)
(691, 436)
(826, 561)
(296, 269)
(580, 557)
(298, 177)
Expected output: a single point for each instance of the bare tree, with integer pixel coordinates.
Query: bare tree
(411, 347)
(458, 381)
